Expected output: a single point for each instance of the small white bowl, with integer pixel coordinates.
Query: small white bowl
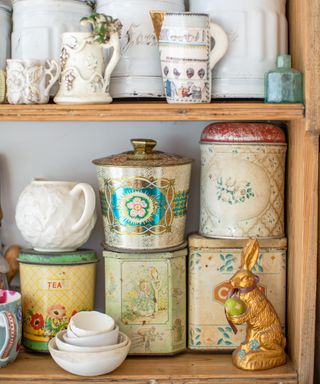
(89, 364)
(89, 323)
(63, 344)
(101, 340)
(70, 334)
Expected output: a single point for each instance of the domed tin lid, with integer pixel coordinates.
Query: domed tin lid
(82, 256)
(243, 133)
(142, 156)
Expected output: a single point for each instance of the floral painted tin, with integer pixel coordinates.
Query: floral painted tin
(146, 295)
(144, 197)
(242, 180)
(54, 287)
(212, 262)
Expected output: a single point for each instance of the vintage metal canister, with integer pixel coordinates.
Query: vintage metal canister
(146, 295)
(144, 196)
(212, 262)
(5, 32)
(242, 180)
(138, 73)
(54, 287)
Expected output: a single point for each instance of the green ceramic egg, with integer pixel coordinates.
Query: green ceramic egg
(235, 307)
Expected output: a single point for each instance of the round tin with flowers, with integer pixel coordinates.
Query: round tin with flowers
(144, 198)
(54, 286)
(242, 180)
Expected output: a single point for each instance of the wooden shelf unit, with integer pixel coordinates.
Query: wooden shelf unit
(302, 220)
(153, 111)
(185, 368)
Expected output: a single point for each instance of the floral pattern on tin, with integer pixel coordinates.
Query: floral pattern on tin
(232, 191)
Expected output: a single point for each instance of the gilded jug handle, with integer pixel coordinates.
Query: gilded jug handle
(114, 43)
(53, 71)
(9, 322)
(89, 205)
(220, 46)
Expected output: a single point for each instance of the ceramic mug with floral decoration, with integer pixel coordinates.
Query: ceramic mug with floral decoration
(10, 326)
(30, 81)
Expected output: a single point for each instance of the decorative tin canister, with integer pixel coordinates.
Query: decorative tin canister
(138, 73)
(146, 295)
(5, 32)
(54, 287)
(39, 24)
(144, 197)
(257, 31)
(211, 264)
(242, 180)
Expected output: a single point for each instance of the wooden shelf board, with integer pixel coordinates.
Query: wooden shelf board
(188, 367)
(153, 111)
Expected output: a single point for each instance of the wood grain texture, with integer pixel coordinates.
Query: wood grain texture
(153, 111)
(304, 30)
(302, 218)
(186, 368)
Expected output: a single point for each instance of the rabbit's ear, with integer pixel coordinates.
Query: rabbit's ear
(250, 255)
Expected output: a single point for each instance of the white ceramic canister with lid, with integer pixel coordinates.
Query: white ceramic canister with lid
(257, 31)
(242, 181)
(5, 32)
(39, 24)
(138, 74)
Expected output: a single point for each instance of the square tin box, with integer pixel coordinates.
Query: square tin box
(212, 262)
(146, 295)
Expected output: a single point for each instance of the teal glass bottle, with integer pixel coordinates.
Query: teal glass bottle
(284, 84)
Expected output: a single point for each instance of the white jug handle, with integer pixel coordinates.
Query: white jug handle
(220, 46)
(53, 71)
(8, 321)
(89, 204)
(115, 44)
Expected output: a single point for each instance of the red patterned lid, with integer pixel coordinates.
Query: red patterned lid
(243, 133)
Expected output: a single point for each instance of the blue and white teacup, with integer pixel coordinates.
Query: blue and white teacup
(10, 326)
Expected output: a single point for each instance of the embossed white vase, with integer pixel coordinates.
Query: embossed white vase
(257, 31)
(56, 215)
(242, 181)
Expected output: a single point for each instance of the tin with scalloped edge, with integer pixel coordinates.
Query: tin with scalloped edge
(144, 198)
(242, 180)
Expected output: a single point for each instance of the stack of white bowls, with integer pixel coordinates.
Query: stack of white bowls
(92, 345)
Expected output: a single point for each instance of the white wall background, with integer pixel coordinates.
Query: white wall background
(63, 151)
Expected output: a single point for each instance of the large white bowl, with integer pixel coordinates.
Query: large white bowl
(89, 364)
(89, 323)
(64, 345)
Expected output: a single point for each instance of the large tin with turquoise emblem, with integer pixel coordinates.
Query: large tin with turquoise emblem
(54, 286)
(146, 295)
(144, 198)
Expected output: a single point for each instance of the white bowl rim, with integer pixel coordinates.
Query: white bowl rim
(116, 328)
(80, 331)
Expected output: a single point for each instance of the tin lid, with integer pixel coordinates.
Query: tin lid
(143, 155)
(143, 256)
(243, 133)
(82, 256)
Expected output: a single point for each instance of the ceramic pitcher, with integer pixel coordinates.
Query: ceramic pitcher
(56, 215)
(186, 56)
(85, 78)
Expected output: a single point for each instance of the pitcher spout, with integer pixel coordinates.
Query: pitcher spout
(157, 20)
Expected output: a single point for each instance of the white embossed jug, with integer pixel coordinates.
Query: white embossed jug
(56, 215)
(138, 73)
(85, 78)
(257, 31)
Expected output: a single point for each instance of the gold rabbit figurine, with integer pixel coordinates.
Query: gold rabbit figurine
(265, 343)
